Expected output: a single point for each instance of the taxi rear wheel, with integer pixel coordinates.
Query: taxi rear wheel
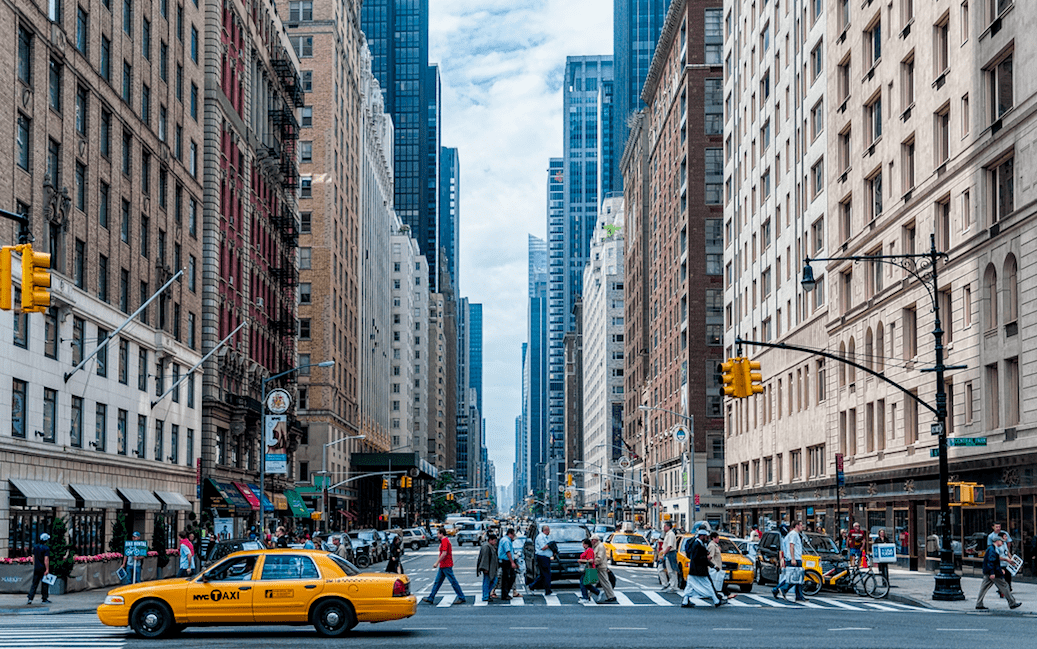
(333, 617)
(152, 619)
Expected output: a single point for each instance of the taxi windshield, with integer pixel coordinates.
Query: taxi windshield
(727, 546)
(346, 567)
(629, 539)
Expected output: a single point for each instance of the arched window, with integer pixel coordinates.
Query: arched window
(851, 351)
(880, 348)
(990, 296)
(1010, 289)
(869, 349)
(842, 366)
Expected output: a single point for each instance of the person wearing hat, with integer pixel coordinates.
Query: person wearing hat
(40, 568)
(698, 583)
(132, 565)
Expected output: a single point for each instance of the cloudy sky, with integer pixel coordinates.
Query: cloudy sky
(502, 63)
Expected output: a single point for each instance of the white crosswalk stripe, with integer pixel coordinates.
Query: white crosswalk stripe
(65, 631)
(645, 597)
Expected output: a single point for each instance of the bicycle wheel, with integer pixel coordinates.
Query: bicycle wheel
(811, 584)
(878, 586)
(860, 583)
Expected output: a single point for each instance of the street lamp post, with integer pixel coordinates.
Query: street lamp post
(262, 435)
(948, 583)
(324, 473)
(691, 455)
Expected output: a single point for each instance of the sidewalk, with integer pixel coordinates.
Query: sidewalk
(85, 601)
(916, 588)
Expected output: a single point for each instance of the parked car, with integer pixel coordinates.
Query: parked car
(569, 539)
(414, 538)
(377, 541)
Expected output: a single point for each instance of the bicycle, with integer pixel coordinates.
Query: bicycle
(848, 576)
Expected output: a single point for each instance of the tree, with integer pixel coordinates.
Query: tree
(61, 558)
(119, 533)
(158, 541)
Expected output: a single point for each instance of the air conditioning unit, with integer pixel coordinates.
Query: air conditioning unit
(259, 302)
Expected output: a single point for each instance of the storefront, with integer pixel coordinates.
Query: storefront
(229, 510)
(33, 507)
(299, 511)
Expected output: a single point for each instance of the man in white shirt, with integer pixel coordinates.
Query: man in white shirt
(669, 555)
(792, 553)
(544, 552)
(1004, 550)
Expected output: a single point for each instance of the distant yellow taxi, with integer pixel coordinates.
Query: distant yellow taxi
(624, 547)
(738, 569)
(284, 587)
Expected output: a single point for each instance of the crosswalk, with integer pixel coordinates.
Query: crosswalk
(645, 597)
(59, 632)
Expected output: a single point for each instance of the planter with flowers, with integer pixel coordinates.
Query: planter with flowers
(94, 571)
(15, 574)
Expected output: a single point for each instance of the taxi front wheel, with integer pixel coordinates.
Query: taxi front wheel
(333, 617)
(152, 619)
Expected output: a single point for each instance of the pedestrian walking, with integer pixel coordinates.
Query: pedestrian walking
(716, 565)
(792, 563)
(601, 562)
(186, 556)
(589, 579)
(40, 569)
(445, 570)
(669, 554)
(544, 552)
(506, 560)
(882, 538)
(487, 566)
(1005, 551)
(340, 548)
(395, 564)
(698, 583)
(856, 543)
(754, 535)
(307, 543)
(994, 575)
(132, 565)
(281, 537)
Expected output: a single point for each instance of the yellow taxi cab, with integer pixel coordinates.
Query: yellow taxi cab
(283, 587)
(738, 569)
(627, 547)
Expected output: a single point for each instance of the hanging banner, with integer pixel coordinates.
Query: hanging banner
(277, 463)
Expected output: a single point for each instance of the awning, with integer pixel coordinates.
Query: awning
(232, 498)
(267, 505)
(296, 505)
(280, 502)
(347, 514)
(175, 501)
(38, 493)
(140, 499)
(250, 498)
(97, 496)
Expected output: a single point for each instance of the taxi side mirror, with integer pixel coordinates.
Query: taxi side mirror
(204, 578)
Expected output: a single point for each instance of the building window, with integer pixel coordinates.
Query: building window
(305, 222)
(101, 430)
(1012, 395)
(106, 58)
(307, 80)
(194, 43)
(174, 444)
(305, 294)
(306, 187)
(305, 258)
(23, 142)
(25, 55)
(941, 46)
(907, 82)
(817, 60)
(55, 85)
(122, 432)
(50, 415)
(992, 400)
(194, 101)
(1000, 87)
(142, 437)
(910, 332)
(843, 79)
(306, 117)
(142, 370)
(303, 46)
(873, 189)
(1010, 291)
(19, 390)
(817, 174)
(873, 42)
(102, 278)
(305, 152)
(102, 352)
(127, 82)
(907, 160)
(873, 119)
(942, 135)
(1001, 180)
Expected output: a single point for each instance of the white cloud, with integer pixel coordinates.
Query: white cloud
(501, 64)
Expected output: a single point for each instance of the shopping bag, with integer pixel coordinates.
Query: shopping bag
(590, 577)
(717, 577)
(795, 575)
(49, 579)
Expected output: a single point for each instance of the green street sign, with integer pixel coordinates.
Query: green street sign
(967, 441)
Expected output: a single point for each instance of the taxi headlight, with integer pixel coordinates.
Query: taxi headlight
(114, 600)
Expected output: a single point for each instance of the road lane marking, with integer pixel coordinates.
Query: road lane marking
(479, 601)
(623, 600)
(848, 607)
(528, 628)
(811, 605)
(657, 598)
(731, 628)
(446, 601)
(426, 628)
(628, 628)
(552, 600)
(768, 601)
(852, 628)
(737, 602)
(958, 630)
(881, 607)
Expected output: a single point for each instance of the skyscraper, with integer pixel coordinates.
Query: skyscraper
(475, 352)
(397, 33)
(573, 186)
(636, 25)
(450, 212)
(534, 366)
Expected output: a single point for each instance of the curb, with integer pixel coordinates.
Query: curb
(907, 599)
(46, 611)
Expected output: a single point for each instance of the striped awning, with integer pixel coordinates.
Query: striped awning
(38, 493)
(97, 496)
(175, 501)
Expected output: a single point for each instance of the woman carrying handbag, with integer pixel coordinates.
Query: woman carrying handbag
(395, 564)
(589, 579)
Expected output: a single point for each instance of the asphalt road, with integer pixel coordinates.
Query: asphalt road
(642, 618)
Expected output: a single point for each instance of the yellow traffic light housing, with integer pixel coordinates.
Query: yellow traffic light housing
(385, 483)
(569, 479)
(315, 516)
(732, 384)
(6, 280)
(752, 381)
(35, 279)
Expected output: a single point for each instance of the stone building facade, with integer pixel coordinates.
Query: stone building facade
(105, 160)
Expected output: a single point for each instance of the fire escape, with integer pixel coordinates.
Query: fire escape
(283, 118)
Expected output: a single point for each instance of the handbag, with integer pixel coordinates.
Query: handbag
(717, 577)
(590, 577)
(795, 575)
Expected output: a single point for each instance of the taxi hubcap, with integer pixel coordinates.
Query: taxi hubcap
(151, 620)
(332, 618)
